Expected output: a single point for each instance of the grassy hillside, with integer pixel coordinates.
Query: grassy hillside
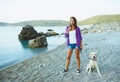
(100, 19)
(42, 23)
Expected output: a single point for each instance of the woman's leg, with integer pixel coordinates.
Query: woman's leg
(77, 52)
(68, 58)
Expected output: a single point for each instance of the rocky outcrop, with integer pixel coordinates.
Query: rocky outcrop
(35, 39)
(27, 33)
(102, 27)
(106, 27)
(41, 34)
(50, 32)
(39, 41)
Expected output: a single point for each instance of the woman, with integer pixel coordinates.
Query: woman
(74, 41)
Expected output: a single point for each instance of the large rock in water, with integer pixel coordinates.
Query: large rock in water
(35, 39)
(39, 41)
(27, 33)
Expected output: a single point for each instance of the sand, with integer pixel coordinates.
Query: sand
(48, 67)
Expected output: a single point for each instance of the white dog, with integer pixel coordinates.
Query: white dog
(93, 63)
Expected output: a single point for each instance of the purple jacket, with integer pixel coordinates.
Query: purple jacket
(78, 36)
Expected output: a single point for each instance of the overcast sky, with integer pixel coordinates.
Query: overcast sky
(22, 10)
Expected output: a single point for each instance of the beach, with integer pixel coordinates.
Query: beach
(36, 37)
(48, 67)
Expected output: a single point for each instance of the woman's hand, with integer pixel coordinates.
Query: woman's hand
(81, 46)
(69, 28)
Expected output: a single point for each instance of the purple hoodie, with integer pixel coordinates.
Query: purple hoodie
(78, 36)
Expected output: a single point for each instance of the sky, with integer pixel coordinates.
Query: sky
(23, 10)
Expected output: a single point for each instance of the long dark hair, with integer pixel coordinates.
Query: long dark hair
(75, 24)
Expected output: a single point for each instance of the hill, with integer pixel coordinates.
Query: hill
(42, 23)
(91, 20)
(100, 19)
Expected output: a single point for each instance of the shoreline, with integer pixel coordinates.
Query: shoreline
(47, 67)
(43, 53)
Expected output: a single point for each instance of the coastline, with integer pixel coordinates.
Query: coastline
(47, 67)
(44, 53)
(10, 55)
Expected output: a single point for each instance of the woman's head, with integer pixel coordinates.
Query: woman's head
(73, 21)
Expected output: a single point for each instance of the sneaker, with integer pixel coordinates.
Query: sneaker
(78, 71)
(65, 70)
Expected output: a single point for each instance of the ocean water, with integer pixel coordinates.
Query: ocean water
(13, 51)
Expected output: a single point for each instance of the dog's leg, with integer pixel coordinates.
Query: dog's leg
(98, 70)
(89, 70)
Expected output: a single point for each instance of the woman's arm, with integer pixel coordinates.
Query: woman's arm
(81, 44)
